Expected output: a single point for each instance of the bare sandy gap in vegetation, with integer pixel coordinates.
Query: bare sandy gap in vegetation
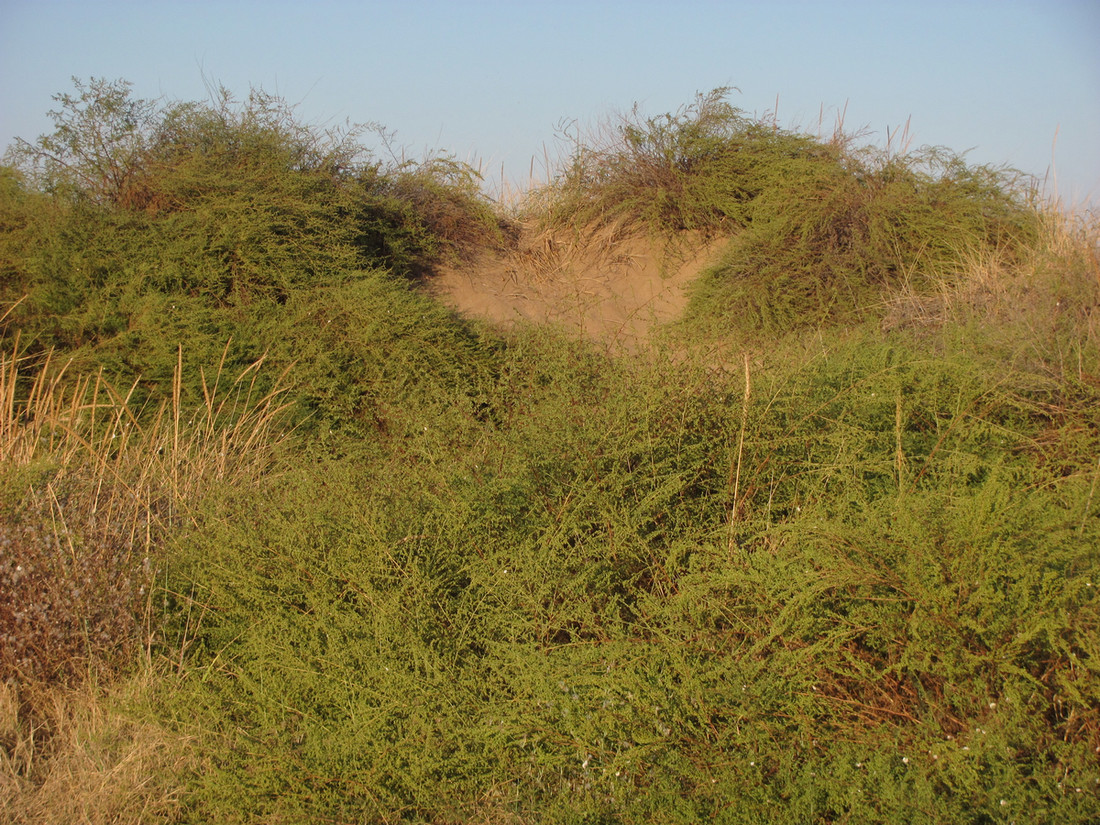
(611, 286)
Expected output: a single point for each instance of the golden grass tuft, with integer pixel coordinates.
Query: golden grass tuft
(1047, 296)
(77, 756)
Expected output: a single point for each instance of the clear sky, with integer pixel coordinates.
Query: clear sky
(1010, 82)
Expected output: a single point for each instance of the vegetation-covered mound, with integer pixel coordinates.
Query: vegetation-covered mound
(284, 540)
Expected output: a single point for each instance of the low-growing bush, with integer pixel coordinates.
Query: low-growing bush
(821, 231)
(640, 595)
(819, 568)
(699, 168)
(833, 241)
(197, 223)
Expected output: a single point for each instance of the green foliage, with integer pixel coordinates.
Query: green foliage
(590, 605)
(505, 578)
(446, 214)
(698, 168)
(200, 223)
(821, 231)
(368, 352)
(834, 234)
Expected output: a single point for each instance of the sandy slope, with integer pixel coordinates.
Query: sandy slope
(608, 285)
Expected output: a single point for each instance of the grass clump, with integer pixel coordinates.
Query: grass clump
(91, 490)
(85, 754)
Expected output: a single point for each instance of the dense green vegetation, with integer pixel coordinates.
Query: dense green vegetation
(822, 228)
(828, 553)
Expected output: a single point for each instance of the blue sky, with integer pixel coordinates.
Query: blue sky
(1009, 82)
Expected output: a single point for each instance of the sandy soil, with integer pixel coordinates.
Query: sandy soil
(611, 286)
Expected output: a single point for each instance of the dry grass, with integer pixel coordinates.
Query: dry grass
(548, 252)
(76, 421)
(1048, 297)
(91, 488)
(76, 756)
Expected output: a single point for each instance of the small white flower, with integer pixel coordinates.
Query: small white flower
(905, 759)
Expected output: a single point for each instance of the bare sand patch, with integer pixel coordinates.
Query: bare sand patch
(609, 285)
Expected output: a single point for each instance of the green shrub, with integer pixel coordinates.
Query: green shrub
(831, 240)
(699, 168)
(624, 594)
(821, 231)
(198, 223)
(506, 578)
